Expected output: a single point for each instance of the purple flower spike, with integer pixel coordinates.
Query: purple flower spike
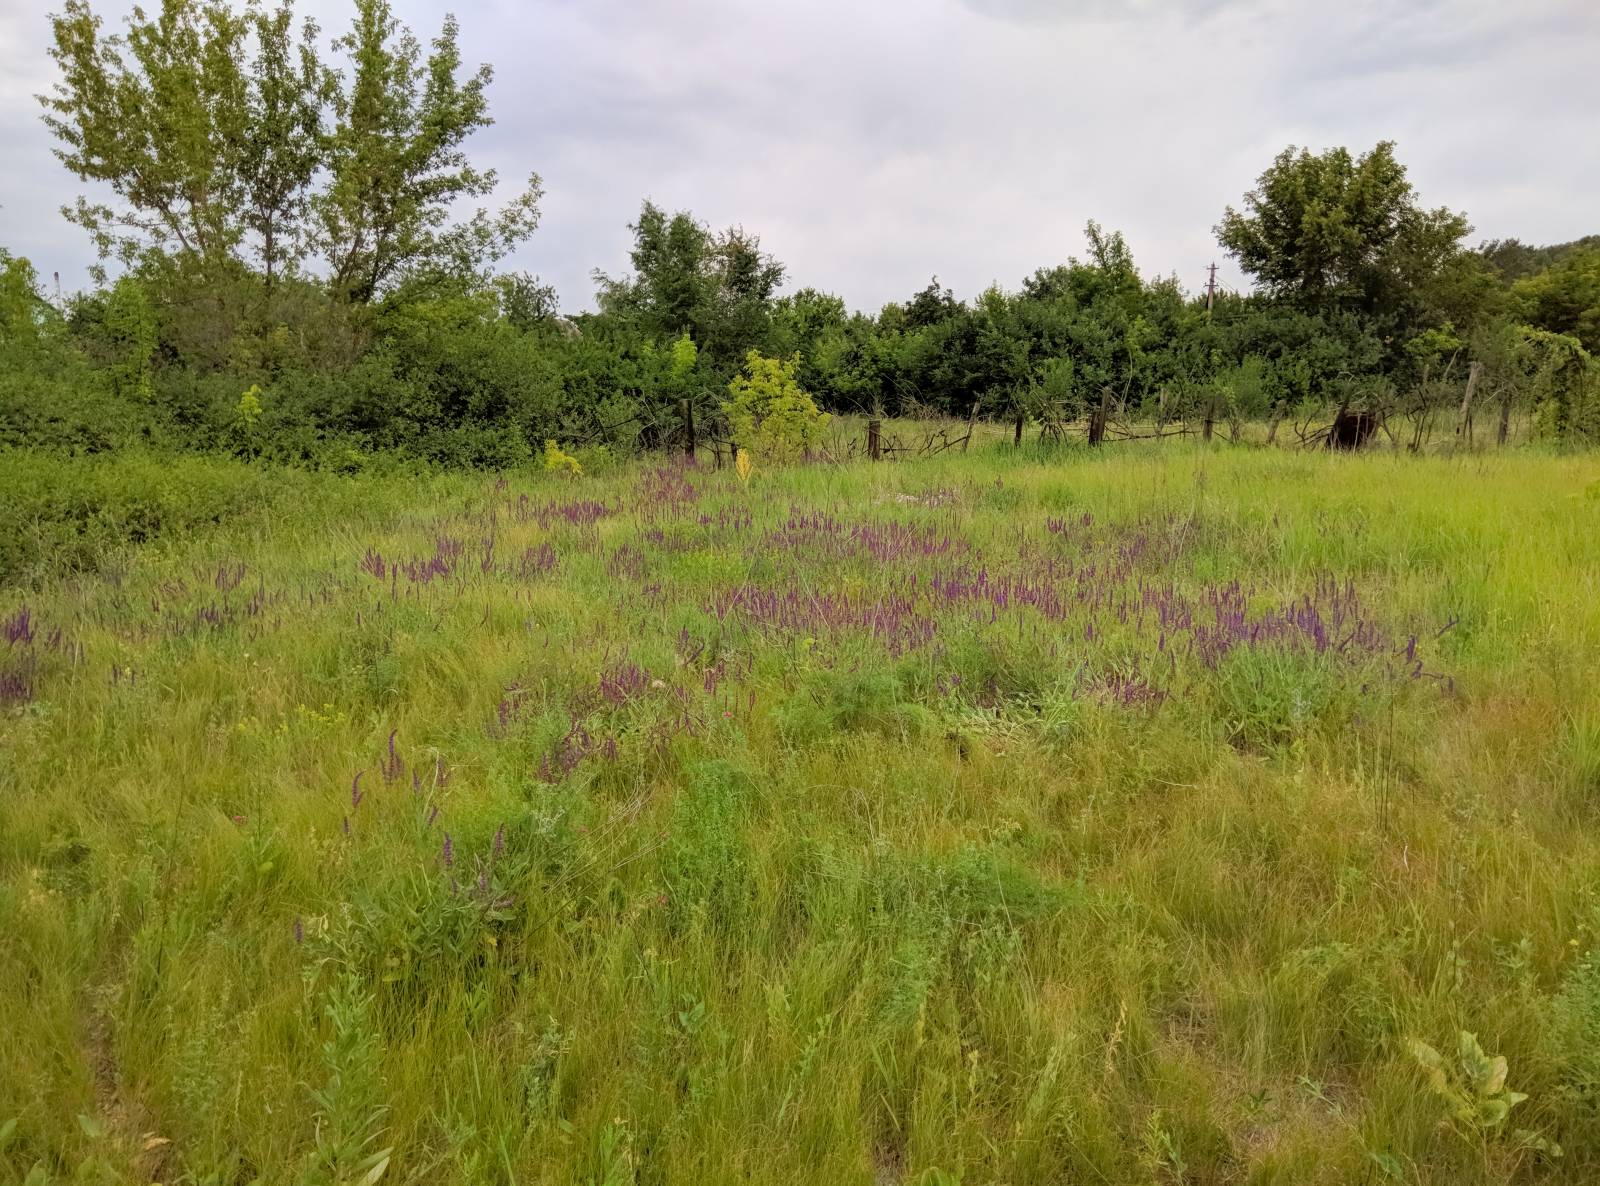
(18, 627)
(449, 852)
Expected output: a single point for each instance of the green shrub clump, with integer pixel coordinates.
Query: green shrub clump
(769, 414)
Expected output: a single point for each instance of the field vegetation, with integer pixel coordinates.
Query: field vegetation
(1149, 814)
(1101, 730)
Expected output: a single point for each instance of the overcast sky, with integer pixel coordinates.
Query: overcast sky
(873, 143)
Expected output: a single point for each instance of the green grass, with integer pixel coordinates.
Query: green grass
(859, 824)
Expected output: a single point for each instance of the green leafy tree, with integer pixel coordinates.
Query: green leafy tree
(526, 302)
(1515, 260)
(225, 142)
(282, 148)
(769, 414)
(26, 318)
(801, 322)
(1565, 298)
(719, 288)
(1331, 231)
(667, 293)
(396, 163)
(157, 114)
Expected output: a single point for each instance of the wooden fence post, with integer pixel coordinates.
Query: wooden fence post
(688, 427)
(1278, 411)
(1097, 418)
(874, 439)
(1464, 420)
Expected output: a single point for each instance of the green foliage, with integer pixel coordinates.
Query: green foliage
(1474, 1088)
(1334, 231)
(223, 135)
(349, 1108)
(1572, 1039)
(769, 414)
(557, 461)
(63, 515)
(130, 328)
(1476, 1095)
(684, 358)
(406, 343)
(1565, 299)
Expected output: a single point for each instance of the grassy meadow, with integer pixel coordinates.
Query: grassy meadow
(1154, 815)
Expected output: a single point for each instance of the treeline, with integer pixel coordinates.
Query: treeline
(286, 274)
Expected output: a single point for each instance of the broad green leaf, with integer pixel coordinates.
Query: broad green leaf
(381, 1163)
(1497, 1076)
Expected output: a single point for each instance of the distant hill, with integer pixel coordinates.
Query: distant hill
(1515, 259)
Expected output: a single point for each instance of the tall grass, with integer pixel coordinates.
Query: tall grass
(1001, 817)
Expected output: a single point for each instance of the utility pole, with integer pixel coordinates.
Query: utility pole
(1211, 289)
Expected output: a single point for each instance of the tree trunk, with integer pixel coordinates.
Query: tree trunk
(688, 427)
(1464, 420)
(1505, 417)
(1016, 440)
(1210, 420)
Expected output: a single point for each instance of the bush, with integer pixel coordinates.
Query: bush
(64, 514)
(770, 415)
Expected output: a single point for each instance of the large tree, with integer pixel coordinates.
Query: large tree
(227, 145)
(156, 114)
(396, 163)
(1329, 231)
(717, 287)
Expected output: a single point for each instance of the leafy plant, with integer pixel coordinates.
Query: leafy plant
(1475, 1092)
(349, 1105)
(557, 461)
(1474, 1088)
(772, 418)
